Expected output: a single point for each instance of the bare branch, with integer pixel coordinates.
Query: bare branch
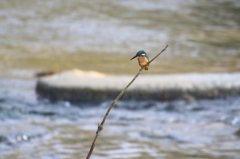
(100, 126)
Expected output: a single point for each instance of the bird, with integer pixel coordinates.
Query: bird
(142, 58)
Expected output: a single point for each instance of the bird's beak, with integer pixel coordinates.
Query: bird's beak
(134, 57)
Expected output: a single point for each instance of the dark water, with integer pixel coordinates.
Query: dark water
(179, 129)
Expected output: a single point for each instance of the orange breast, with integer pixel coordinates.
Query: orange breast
(142, 61)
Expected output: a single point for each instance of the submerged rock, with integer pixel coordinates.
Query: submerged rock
(80, 86)
(3, 138)
(237, 133)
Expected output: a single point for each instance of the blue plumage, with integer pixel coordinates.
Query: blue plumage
(141, 53)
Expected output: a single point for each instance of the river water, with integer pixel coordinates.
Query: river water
(101, 36)
(179, 129)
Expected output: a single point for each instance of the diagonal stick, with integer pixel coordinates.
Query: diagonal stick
(100, 126)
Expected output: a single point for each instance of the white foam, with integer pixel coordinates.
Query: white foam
(95, 80)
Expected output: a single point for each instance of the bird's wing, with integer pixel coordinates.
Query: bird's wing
(147, 57)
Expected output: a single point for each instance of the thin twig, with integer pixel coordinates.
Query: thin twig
(100, 126)
(158, 54)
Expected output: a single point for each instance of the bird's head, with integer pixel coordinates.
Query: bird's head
(139, 53)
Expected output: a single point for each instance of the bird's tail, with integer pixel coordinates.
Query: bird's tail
(146, 67)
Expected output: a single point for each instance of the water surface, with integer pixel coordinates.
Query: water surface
(179, 129)
(104, 35)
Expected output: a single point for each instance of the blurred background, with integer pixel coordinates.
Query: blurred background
(102, 35)
(43, 35)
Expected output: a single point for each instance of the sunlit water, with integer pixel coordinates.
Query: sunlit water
(203, 35)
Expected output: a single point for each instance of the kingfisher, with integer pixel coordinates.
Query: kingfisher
(142, 58)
